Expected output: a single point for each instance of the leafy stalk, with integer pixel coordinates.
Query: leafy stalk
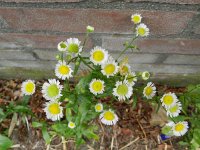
(126, 47)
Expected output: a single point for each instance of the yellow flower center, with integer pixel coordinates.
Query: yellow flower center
(52, 90)
(63, 45)
(109, 69)
(124, 70)
(109, 116)
(168, 100)
(54, 108)
(179, 127)
(29, 87)
(73, 48)
(122, 89)
(98, 107)
(98, 55)
(64, 70)
(148, 90)
(136, 19)
(141, 31)
(97, 86)
(173, 109)
(72, 125)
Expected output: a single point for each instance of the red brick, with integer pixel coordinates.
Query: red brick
(104, 21)
(178, 46)
(19, 40)
(41, 1)
(168, 1)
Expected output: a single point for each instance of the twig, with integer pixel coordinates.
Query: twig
(64, 143)
(129, 144)
(27, 124)
(16, 146)
(145, 136)
(90, 148)
(102, 138)
(48, 147)
(112, 142)
(102, 127)
(12, 124)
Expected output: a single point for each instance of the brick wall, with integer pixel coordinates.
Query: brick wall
(31, 29)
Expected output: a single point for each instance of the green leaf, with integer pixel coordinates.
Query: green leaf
(167, 130)
(179, 118)
(90, 135)
(182, 143)
(134, 101)
(68, 114)
(20, 108)
(2, 115)
(37, 124)
(46, 135)
(82, 87)
(25, 99)
(5, 142)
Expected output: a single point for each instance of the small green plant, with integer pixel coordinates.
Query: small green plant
(15, 110)
(73, 109)
(191, 106)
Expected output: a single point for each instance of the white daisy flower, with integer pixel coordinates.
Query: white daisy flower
(136, 18)
(52, 90)
(122, 90)
(98, 55)
(145, 75)
(28, 87)
(62, 46)
(174, 110)
(96, 86)
(108, 117)
(149, 91)
(63, 70)
(53, 110)
(142, 30)
(168, 100)
(124, 69)
(110, 68)
(73, 46)
(180, 128)
(99, 107)
(71, 125)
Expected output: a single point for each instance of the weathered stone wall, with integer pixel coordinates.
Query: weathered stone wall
(31, 29)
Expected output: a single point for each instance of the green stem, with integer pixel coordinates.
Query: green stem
(85, 63)
(62, 56)
(72, 60)
(127, 47)
(85, 40)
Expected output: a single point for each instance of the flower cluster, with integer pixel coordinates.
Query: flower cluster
(108, 76)
(173, 107)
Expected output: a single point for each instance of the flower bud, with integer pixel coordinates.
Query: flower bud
(90, 29)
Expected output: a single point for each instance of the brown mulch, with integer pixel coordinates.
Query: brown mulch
(133, 131)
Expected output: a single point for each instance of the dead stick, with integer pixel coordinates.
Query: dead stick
(129, 143)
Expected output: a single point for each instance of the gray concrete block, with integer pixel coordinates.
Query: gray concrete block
(16, 55)
(183, 59)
